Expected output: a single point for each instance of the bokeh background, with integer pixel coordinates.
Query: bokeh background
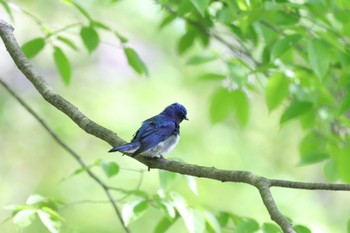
(108, 91)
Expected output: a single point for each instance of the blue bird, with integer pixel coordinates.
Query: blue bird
(158, 135)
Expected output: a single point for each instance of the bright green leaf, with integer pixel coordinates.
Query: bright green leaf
(343, 162)
(134, 210)
(166, 207)
(33, 47)
(318, 57)
(185, 42)
(223, 218)
(348, 227)
(330, 170)
(121, 38)
(271, 228)
(212, 222)
(7, 8)
(247, 226)
(90, 38)
(25, 217)
(283, 45)
(277, 89)
(167, 20)
(81, 9)
(211, 76)
(35, 198)
(312, 149)
(101, 25)
(345, 105)
(67, 42)
(135, 61)
(192, 184)
(200, 5)
(301, 229)
(219, 105)
(195, 222)
(294, 110)
(163, 225)
(50, 222)
(110, 168)
(240, 103)
(62, 64)
(200, 59)
(166, 179)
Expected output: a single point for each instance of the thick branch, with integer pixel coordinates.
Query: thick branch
(263, 184)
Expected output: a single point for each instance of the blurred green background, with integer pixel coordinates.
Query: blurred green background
(106, 89)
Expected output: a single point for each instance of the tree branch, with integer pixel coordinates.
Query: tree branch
(71, 152)
(263, 184)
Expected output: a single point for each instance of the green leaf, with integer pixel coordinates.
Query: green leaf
(211, 76)
(33, 47)
(192, 184)
(67, 42)
(284, 45)
(101, 25)
(90, 38)
(348, 227)
(7, 8)
(330, 170)
(195, 221)
(163, 225)
(312, 149)
(185, 42)
(25, 217)
(318, 57)
(110, 168)
(50, 221)
(166, 207)
(63, 65)
(35, 198)
(134, 210)
(277, 89)
(212, 222)
(345, 105)
(135, 61)
(81, 9)
(166, 179)
(180, 204)
(167, 20)
(295, 109)
(121, 38)
(302, 229)
(200, 59)
(200, 5)
(247, 226)
(219, 105)
(343, 163)
(223, 218)
(271, 228)
(240, 104)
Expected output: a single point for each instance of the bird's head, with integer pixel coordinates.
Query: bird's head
(176, 111)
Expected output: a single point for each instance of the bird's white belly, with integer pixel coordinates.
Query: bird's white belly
(163, 147)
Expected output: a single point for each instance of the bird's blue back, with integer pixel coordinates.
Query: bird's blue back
(158, 134)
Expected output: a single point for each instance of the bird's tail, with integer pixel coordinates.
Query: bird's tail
(128, 148)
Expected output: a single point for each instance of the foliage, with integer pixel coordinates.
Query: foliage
(296, 53)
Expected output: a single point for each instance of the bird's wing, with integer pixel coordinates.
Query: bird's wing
(152, 132)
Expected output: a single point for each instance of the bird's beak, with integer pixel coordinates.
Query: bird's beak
(186, 119)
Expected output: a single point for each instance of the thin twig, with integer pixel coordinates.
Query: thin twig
(69, 150)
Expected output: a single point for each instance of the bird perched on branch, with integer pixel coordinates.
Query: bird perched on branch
(158, 135)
